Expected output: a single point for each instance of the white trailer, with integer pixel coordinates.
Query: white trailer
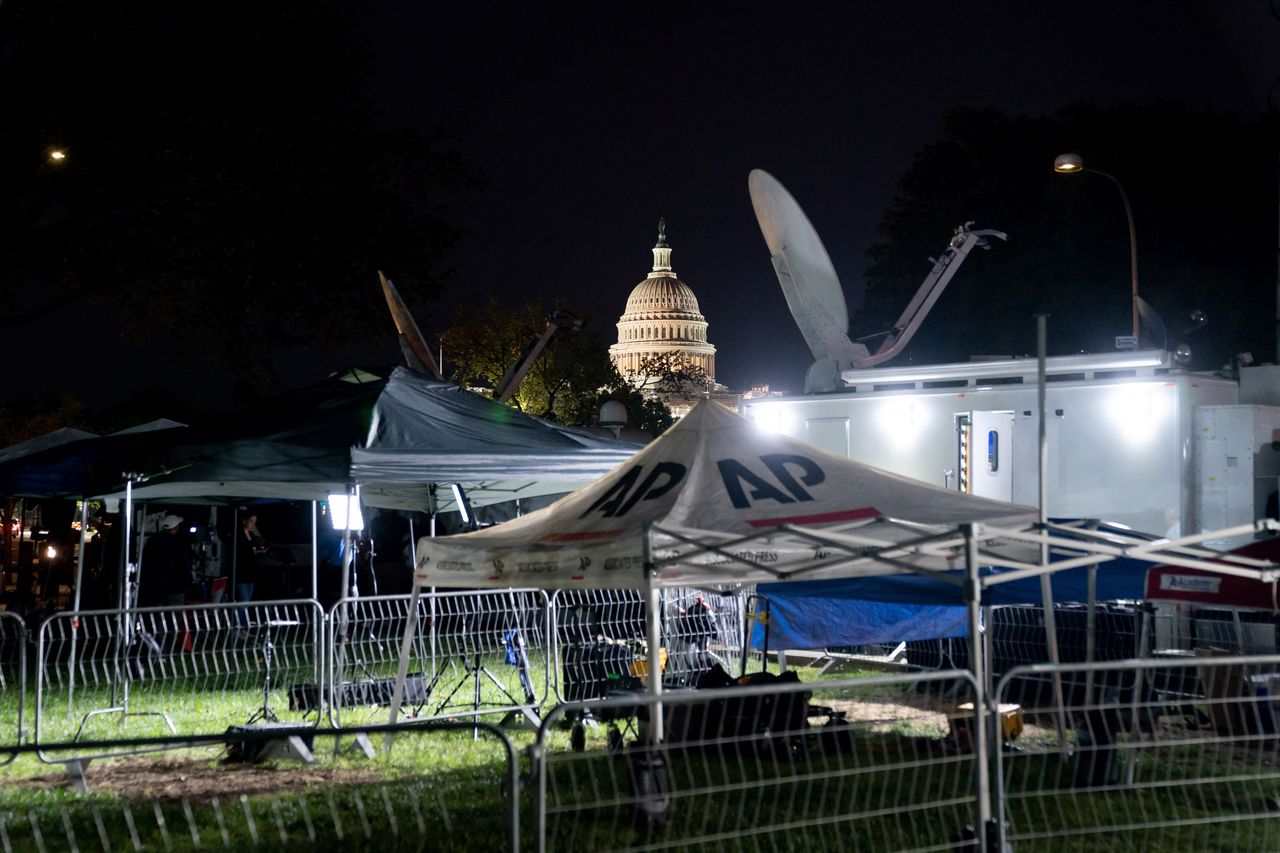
(1130, 438)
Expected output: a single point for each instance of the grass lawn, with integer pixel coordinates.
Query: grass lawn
(891, 779)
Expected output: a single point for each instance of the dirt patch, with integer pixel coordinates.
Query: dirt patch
(887, 715)
(145, 778)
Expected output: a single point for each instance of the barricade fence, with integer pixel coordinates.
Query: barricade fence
(1182, 628)
(178, 670)
(1016, 636)
(780, 765)
(13, 681)
(1176, 754)
(472, 653)
(600, 637)
(334, 802)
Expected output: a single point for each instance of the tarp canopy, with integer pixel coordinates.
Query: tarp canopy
(716, 499)
(393, 436)
(55, 438)
(858, 611)
(63, 469)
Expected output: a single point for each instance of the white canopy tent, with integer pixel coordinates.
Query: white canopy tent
(716, 499)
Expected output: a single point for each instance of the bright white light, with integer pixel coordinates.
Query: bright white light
(51, 552)
(191, 529)
(1138, 411)
(461, 500)
(899, 421)
(338, 512)
(771, 418)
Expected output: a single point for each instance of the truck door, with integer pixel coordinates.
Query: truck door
(984, 455)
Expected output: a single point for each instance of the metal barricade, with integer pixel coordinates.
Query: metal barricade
(1170, 754)
(599, 634)
(178, 669)
(473, 653)
(13, 682)
(330, 804)
(742, 766)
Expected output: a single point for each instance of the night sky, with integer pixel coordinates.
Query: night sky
(589, 125)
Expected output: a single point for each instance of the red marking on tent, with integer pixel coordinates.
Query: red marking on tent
(578, 577)
(821, 518)
(578, 537)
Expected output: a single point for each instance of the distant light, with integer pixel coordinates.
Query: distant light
(191, 529)
(57, 155)
(50, 552)
(338, 512)
(1067, 163)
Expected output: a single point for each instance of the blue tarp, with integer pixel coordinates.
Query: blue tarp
(897, 608)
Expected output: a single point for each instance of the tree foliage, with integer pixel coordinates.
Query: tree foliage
(568, 382)
(28, 417)
(226, 178)
(669, 373)
(1202, 188)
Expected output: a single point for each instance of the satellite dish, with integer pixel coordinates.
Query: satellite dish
(813, 291)
(808, 279)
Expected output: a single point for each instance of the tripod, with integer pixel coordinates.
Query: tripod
(474, 673)
(264, 714)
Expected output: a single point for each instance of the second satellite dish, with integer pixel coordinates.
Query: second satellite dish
(813, 290)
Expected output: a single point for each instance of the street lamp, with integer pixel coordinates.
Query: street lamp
(1068, 164)
(57, 155)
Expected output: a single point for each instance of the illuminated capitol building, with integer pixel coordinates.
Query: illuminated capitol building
(663, 326)
(662, 319)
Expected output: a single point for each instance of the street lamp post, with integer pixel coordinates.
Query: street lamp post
(1071, 163)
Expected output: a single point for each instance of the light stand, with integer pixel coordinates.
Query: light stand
(264, 714)
(125, 636)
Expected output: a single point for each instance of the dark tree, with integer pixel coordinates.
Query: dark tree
(568, 382)
(225, 178)
(1203, 192)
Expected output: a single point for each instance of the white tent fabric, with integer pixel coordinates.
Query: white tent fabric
(717, 499)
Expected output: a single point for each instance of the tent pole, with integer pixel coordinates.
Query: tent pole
(413, 567)
(654, 666)
(1090, 628)
(431, 601)
(315, 556)
(402, 670)
(1046, 584)
(406, 640)
(75, 607)
(230, 595)
(977, 665)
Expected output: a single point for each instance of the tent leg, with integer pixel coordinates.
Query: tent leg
(654, 667)
(315, 557)
(978, 666)
(402, 670)
(1090, 629)
(1051, 641)
(75, 607)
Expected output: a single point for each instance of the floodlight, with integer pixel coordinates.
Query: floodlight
(338, 505)
(464, 506)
